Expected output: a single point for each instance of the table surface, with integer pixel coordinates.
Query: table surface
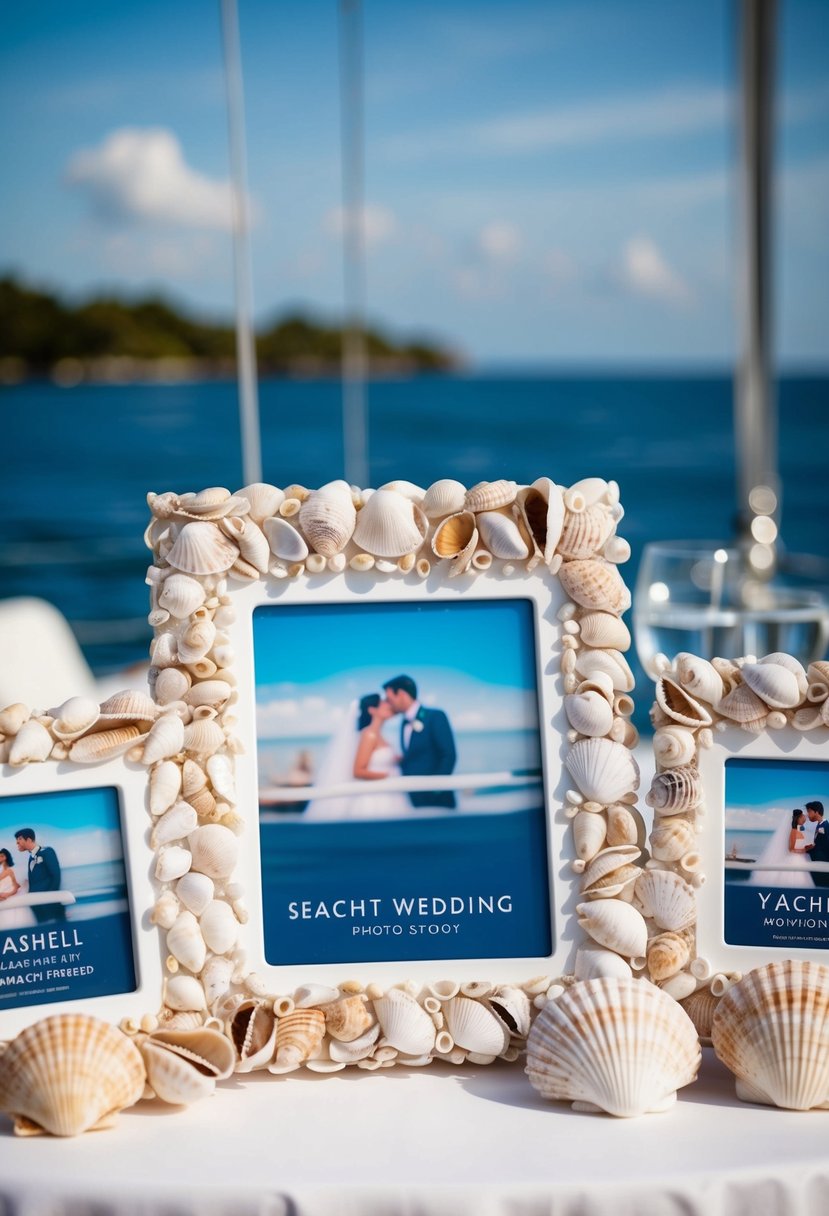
(437, 1141)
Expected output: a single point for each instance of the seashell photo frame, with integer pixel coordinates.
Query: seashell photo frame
(742, 749)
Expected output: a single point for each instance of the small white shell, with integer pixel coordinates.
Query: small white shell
(615, 924)
(541, 508)
(604, 630)
(13, 717)
(501, 535)
(165, 786)
(74, 717)
(32, 744)
(675, 791)
(195, 891)
(263, 499)
(589, 713)
(594, 962)
(202, 737)
(181, 595)
(285, 540)
(185, 942)
(595, 585)
(589, 832)
(603, 770)
(171, 685)
(674, 745)
(611, 662)
(174, 825)
(584, 532)
(679, 705)
(166, 738)
(91, 749)
(773, 684)
(699, 677)
(216, 976)
(489, 495)
(219, 927)
(184, 992)
(253, 546)
(171, 863)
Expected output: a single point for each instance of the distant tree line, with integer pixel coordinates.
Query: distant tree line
(40, 333)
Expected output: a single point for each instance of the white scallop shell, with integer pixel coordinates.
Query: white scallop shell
(215, 850)
(614, 1045)
(166, 738)
(185, 942)
(444, 497)
(219, 927)
(604, 630)
(611, 662)
(390, 525)
(773, 684)
(474, 1027)
(405, 1024)
(501, 535)
(771, 1030)
(596, 585)
(200, 548)
(195, 891)
(667, 899)
(408, 489)
(264, 499)
(174, 824)
(32, 744)
(180, 595)
(74, 717)
(674, 745)
(327, 517)
(285, 541)
(604, 771)
(584, 532)
(165, 786)
(615, 924)
(699, 677)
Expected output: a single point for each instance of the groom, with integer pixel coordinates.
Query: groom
(819, 849)
(44, 874)
(426, 741)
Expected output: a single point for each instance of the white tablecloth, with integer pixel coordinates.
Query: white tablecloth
(440, 1142)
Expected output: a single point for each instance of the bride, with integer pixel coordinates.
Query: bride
(11, 918)
(788, 844)
(359, 751)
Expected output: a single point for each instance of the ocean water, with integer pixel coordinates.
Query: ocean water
(77, 465)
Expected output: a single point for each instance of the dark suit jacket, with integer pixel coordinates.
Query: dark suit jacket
(820, 852)
(431, 753)
(44, 875)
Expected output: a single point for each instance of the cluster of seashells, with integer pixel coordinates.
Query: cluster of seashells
(80, 730)
(694, 698)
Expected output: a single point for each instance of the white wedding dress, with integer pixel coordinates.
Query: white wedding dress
(337, 768)
(777, 850)
(13, 918)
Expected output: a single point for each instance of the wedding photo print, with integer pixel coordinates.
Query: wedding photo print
(65, 929)
(402, 810)
(777, 853)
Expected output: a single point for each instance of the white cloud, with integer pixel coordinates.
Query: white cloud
(378, 223)
(141, 174)
(645, 271)
(499, 241)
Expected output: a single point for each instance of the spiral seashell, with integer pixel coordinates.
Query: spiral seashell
(390, 525)
(616, 925)
(774, 685)
(347, 1019)
(285, 541)
(252, 1030)
(604, 630)
(444, 497)
(589, 832)
(489, 495)
(185, 942)
(219, 927)
(699, 677)
(667, 954)
(184, 993)
(405, 1024)
(604, 771)
(584, 532)
(32, 744)
(502, 536)
(589, 713)
(214, 850)
(195, 891)
(13, 717)
(174, 825)
(679, 705)
(203, 737)
(673, 746)
(181, 595)
(611, 662)
(200, 548)
(474, 1027)
(195, 641)
(672, 838)
(166, 738)
(327, 518)
(675, 791)
(264, 500)
(74, 717)
(742, 705)
(667, 899)
(595, 585)
(700, 1007)
(541, 508)
(771, 1029)
(253, 546)
(614, 1045)
(67, 1074)
(601, 683)
(298, 1036)
(92, 749)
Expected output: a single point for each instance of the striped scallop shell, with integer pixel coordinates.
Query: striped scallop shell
(742, 705)
(771, 1029)
(595, 585)
(489, 495)
(390, 525)
(474, 1027)
(124, 707)
(700, 1007)
(67, 1074)
(667, 899)
(614, 1045)
(405, 1024)
(200, 548)
(584, 532)
(214, 850)
(603, 770)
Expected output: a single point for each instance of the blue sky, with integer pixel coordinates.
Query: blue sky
(544, 181)
(83, 826)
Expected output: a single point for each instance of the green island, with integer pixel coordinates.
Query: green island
(110, 340)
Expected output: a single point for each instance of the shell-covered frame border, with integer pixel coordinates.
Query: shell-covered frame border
(209, 543)
(705, 712)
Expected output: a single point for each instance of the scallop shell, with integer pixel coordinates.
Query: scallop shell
(195, 891)
(91, 749)
(126, 707)
(165, 786)
(674, 745)
(219, 927)
(595, 585)
(298, 1036)
(185, 942)
(474, 1027)
(74, 717)
(405, 1024)
(285, 540)
(667, 954)
(699, 677)
(200, 548)
(589, 832)
(541, 508)
(589, 713)
(181, 595)
(604, 771)
(501, 535)
(771, 1029)
(390, 525)
(214, 850)
(32, 744)
(252, 1029)
(347, 1019)
(611, 662)
(67, 1074)
(773, 684)
(743, 705)
(489, 495)
(605, 631)
(679, 705)
(672, 839)
(614, 1045)
(616, 925)
(174, 825)
(444, 497)
(584, 532)
(263, 499)
(166, 738)
(667, 899)
(700, 1007)
(327, 517)
(675, 791)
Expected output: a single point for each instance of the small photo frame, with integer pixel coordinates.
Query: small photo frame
(75, 893)
(740, 838)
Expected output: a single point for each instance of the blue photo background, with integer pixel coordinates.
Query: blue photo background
(476, 661)
(771, 908)
(90, 953)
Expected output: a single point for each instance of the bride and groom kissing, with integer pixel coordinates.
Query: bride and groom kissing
(425, 747)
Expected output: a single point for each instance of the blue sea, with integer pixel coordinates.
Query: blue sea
(78, 464)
